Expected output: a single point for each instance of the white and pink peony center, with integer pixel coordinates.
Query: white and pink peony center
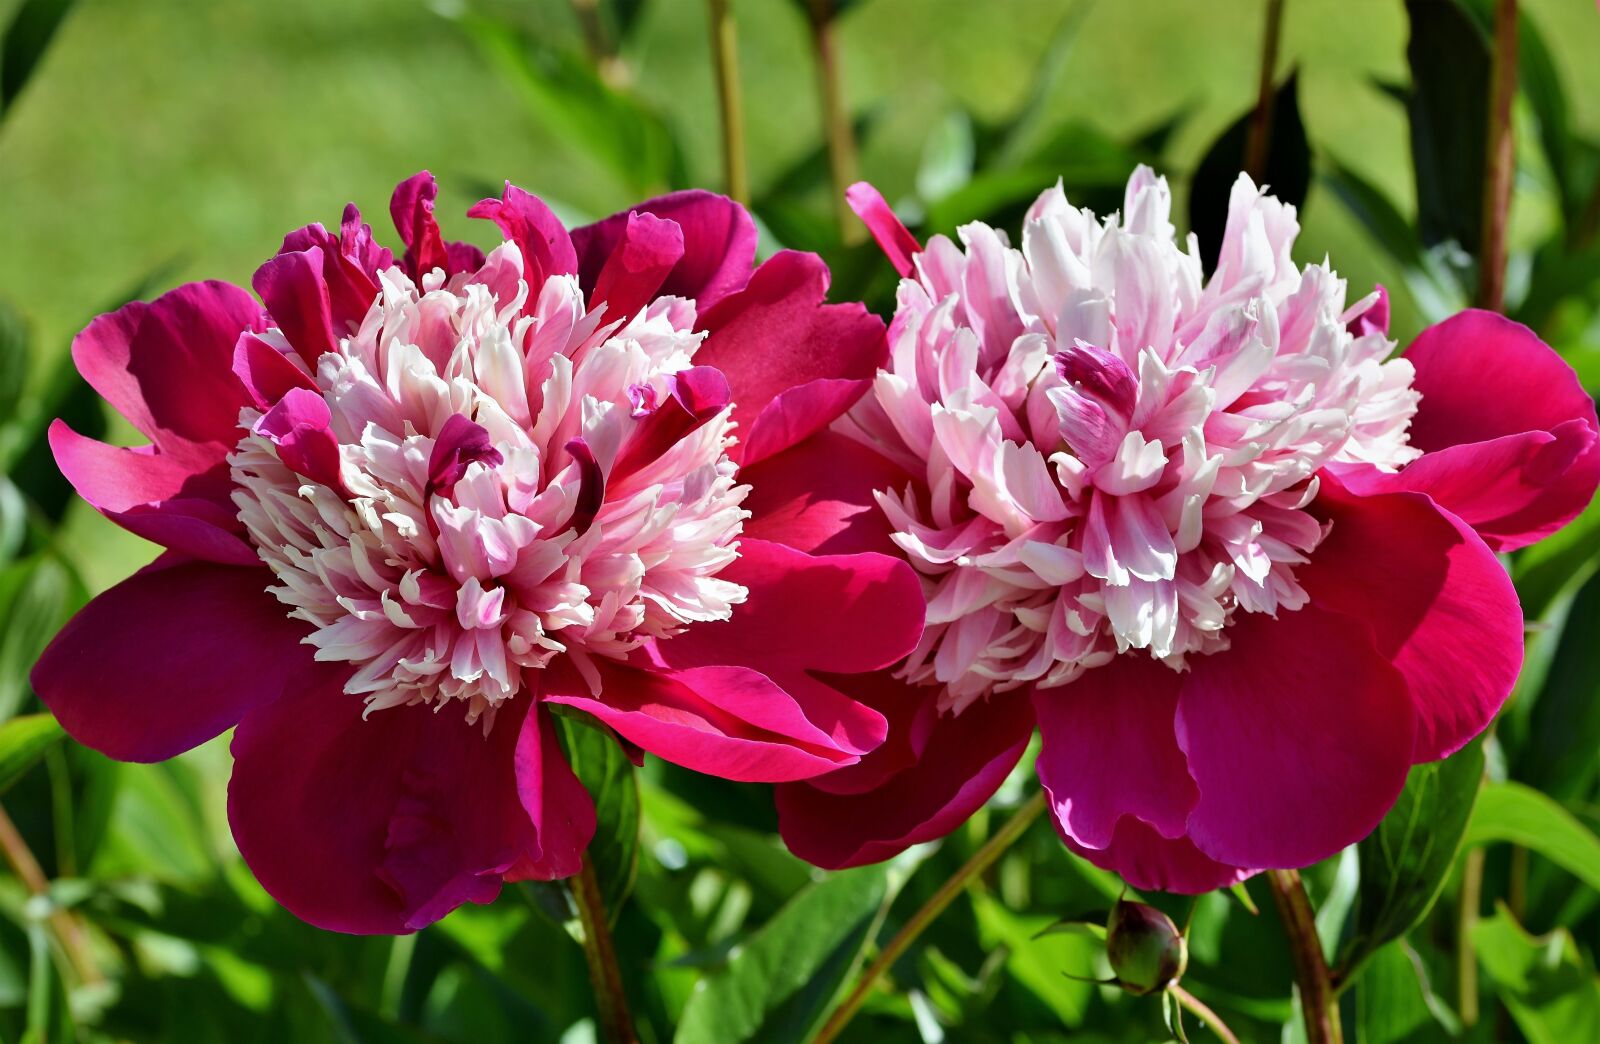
(467, 488)
(1113, 455)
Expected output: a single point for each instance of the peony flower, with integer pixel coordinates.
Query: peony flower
(409, 508)
(1234, 561)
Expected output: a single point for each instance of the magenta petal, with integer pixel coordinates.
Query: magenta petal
(266, 373)
(411, 207)
(526, 221)
(156, 495)
(376, 825)
(1375, 320)
(649, 248)
(299, 427)
(963, 760)
(351, 262)
(1109, 751)
(1299, 737)
(1150, 862)
(818, 497)
(893, 238)
(798, 413)
(719, 245)
(292, 287)
(695, 395)
(460, 443)
(169, 658)
(1438, 601)
(1484, 378)
(840, 613)
(777, 334)
(167, 365)
(560, 809)
(730, 722)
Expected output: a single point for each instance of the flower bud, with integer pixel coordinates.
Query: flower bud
(1146, 950)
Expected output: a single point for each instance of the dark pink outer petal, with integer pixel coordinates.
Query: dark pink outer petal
(731, 722)
(1439, 604)
(376, 825)
(892, 237)
(838, 613)
(1299, 737)
(411, 208)
(156, 495)
(169, 658)
(650, 247)
(1109, 751)
(292, 286)
(167, 365)
(818, 497)
(719, 245)
(1513, 443)
(960, 763)
(557, 804)
(1146, 860)
(266, 373)
(777, 336)
(524, 219)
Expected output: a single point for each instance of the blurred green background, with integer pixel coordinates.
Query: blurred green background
(158, 141)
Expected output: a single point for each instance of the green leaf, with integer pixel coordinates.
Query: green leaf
(780, 983)
(1394, 1003)
(947, 157)
(1557, 754)
(1406, 860)
(1287, 170)
(1548, 987)
(37, 595)
(605, 771)
(13, 360)
(1435, 288)
(1448, 106)
(1520, 815)
(23, 741)
(566, 95)
(26, 40)
(1541, 85)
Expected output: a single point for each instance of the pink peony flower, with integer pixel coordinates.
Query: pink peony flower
(1235, 562)
(409, 507)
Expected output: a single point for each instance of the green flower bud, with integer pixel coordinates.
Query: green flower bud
(1146, 950)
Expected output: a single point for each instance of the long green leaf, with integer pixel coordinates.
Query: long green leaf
(26, 40)
(779, 984)
(1404, 863)
(1448, 106)
(23, 741)
(606, 773)
(1519, 815)
(1548, 987)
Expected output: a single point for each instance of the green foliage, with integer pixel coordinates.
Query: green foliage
(1404, 863)
(959, 115)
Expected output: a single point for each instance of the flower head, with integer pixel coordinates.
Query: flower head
(1233, 561)
(410, 506)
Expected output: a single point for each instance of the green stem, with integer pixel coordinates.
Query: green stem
(1499, 160)
(1201, 1011)
(1259, 139)
(836, 124)
(981, 860)
(1466, 955)
(600, 954)
(1317, 998)
(725, 51)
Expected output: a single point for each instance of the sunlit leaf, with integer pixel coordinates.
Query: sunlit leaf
(606, 773)
(1405, 861)
(780, 983)
(1519, 815)
(23, 741)
(1393, 1002)
(1546, 984)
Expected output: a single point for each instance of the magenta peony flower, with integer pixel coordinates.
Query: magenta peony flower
(409, 506)
(1235, 562)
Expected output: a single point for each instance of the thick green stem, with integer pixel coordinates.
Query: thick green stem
(836, 124)
(1259, 140)
(1499, 160)
(725, 52)
(1318, 1000)
(1196, 1007)
(610, 1000)
(981, 860)
(1466, 954)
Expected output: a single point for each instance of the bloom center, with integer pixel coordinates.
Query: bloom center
(467, 488)
(1118, 455)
